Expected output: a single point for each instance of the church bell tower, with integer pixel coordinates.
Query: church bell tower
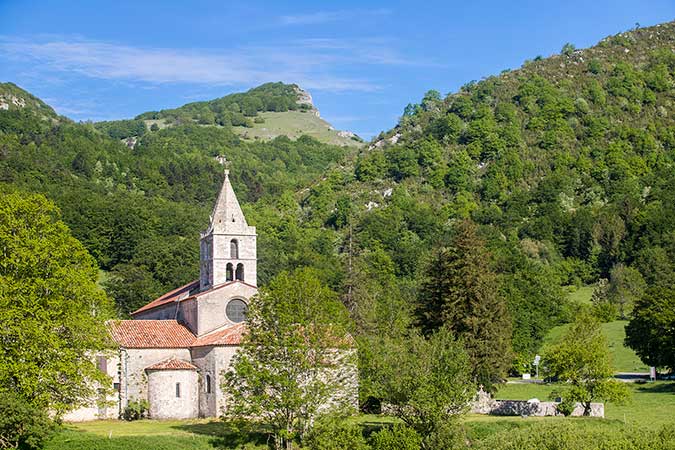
(228, 246)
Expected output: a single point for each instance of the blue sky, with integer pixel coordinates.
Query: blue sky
(361, 61)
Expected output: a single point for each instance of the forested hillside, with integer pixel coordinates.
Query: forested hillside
(139, 210)
(555, 174)
(565, 165)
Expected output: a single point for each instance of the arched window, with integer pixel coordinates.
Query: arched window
(240, 272)
(234, 249)
(208, 383)
(229, 275)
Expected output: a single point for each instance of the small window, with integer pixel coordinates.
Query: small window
(208, 383)
(234, 249)
(102, 364)
(177, 390)
(116, 386)
(229, 272)
(239, 275)
(236, 310)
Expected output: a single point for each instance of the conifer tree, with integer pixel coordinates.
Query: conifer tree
(461, 292)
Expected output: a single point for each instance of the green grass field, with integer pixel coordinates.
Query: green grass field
(623, 358)
(290, 123)
(293, 124)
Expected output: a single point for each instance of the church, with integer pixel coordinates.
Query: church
(175, 348)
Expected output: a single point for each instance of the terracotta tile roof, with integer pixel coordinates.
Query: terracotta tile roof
(183, 293)
(228, 336)
(176, 294)
(172, 364)
(150, 334)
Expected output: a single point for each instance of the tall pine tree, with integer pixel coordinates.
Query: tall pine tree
(461, 291)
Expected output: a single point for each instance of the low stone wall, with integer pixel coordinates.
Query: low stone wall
(484, 404)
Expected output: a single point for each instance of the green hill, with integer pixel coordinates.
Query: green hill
(264, 112)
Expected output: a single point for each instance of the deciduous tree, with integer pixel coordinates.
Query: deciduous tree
(296, 360)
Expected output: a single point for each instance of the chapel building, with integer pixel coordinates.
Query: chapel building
(175, 349)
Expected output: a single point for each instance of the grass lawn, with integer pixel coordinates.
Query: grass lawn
(582, 295)
(623, 358)
(152, 435)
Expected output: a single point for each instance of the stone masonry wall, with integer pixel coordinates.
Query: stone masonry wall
(484, 404)
(162, 390)
(134, 383)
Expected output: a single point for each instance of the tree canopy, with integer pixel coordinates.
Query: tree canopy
(52, 312)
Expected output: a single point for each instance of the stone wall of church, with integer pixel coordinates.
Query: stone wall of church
(223, 357)
(212, 305)
(133, 379)
(205, 359)
(212, 361)
(173, 394)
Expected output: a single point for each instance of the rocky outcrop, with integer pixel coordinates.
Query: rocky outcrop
(8, 99)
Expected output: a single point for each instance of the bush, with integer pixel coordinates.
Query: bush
(136, 410)
(22, 425)
(336, 435)
(566, 407)
(259, 120)
(398, 437)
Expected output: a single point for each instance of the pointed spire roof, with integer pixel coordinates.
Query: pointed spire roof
(227, 216)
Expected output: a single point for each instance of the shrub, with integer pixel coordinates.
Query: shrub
(259, 120)
(22, 425)
(336, 435)
(566, 407)
(136, 410)
(398, 437)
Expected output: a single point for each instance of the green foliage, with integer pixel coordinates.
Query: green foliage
(121, 129)
(581, 358)
(568, 49)
(52, 312)
(571, 435)
(295, 356)
(651, 330)
(461, 293)
(626, 285)
(136, 410)
(335, 435)
(397, 437)
(425, 382)
(22, 425)
(566, 407)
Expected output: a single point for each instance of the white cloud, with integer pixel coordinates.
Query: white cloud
(321, 17)
(311, 63)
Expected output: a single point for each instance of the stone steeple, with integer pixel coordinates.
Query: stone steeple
(228, 246)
